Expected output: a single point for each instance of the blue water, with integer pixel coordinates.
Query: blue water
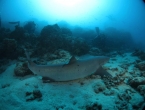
(59, 29)
(123, 15)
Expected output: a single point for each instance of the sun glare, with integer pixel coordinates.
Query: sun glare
(66, 9)
(67, 3)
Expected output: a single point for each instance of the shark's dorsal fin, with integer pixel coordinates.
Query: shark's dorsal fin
(100, 71)
(72, 60)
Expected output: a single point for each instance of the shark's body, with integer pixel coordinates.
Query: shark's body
(75, 69)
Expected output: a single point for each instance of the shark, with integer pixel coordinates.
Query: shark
(73, 70)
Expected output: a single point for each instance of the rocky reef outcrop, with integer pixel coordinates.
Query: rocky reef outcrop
(138, 83)
(94, 106)
(135, 82)
(30, 27)
(112, 39)
(140, 65)
(53, 37)
(139, 53)
(8, 49)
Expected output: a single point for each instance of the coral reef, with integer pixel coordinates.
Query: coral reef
(9, 49)
(30, 27)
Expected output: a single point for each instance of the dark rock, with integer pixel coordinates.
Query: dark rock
(35, 95)
(141, 89)
(28, 93)
(5, 85)
(99, 87)
(135, 82)
(22, 69)
(141, 66)
(94, 106)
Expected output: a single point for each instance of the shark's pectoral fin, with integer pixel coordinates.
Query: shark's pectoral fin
(47, 80)
(100, 71)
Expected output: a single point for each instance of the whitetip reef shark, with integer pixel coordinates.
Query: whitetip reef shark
(75, 69)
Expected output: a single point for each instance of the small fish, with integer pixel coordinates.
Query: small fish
(75, 69)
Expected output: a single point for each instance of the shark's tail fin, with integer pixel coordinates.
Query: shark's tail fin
(27, 54)
(28, 58)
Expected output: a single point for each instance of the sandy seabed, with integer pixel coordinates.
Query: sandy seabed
(82, 94)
